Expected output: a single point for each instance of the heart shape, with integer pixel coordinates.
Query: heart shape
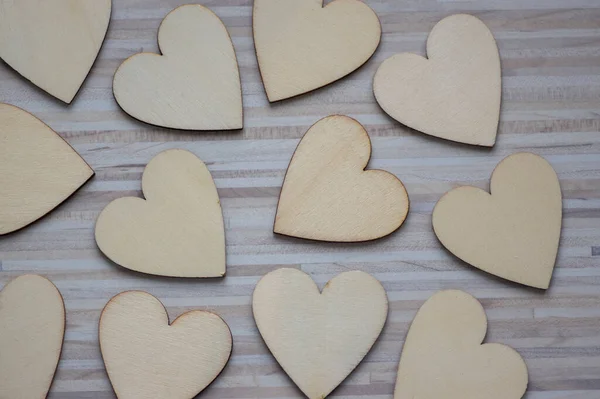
(455, 94)
(327, 195)
(55, 56)
(145, 357)
(39, 170)
(194, 85)
(177, 231)
(443, 356)
(32, 327)
(513, 232)
(301, 45)
(319, 338)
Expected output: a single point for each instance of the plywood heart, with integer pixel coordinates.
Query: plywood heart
(513, 232)
(147, 358)
(194, 85)
(177, 231)
(455, 94)
(38, 169)
(53, 43)
(443, 356)
(327, 195)
(32, 326)
(319, 338)
(301, 45)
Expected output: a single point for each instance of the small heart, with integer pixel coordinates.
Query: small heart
(53, 44)
(328, 195)
(145, 357)
(513, 232)
(177, 231)
(301, 45)
(38, 169)
(194, 85)
(32, 327)
(319, 338)
(443, 356)
(455, 94)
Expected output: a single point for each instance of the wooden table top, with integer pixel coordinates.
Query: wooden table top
(550, 51)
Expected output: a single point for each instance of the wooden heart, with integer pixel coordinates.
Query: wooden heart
(327, 195)
(443, 356)
(319, 338)
(513, 232)
(53, 43)
(145, 357)
(177, 231)
(38, 169)
(32, 326)
(194, 85)
(301, 45)
(455, 94)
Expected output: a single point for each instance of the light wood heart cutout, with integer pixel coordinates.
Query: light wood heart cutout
(301, 45)
(455, 94)
(53, 43)
(513, 232)
(327, 195)
(319, 338)
(194, 85)
(32, 326)
(443, 356)
(38, 169)
(177, 231)
(146, 358)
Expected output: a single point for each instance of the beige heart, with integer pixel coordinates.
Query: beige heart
(32, 326)
(327, 195)
(455, 94)
(53, 43)
(301, 45)
(319, 338)
(177, 231)
(38, 169)
(147, 358)
(513, 232)
(443, 356)
(194, 85)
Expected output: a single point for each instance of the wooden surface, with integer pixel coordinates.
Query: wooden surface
(550, 51)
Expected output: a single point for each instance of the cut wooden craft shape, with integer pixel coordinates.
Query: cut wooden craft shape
(32, 326)
(38, 169)
(328, 195)
(146, 358)
(319, 338)
(177, 231)
(194, 85)
(513, 232)
(53, 44)
(301, 45)
(443, 356)
(456, 93)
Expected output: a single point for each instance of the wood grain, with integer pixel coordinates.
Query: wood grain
(550, 52)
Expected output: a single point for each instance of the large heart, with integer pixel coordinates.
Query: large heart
(513, 232)
(38, 169)
(145, 357)
(443, 356)
(319, 338)
(327, 195)
(53, 43)
(177, 231)
(32, 326)
(455, 94)
(194, 85)
(301, 45)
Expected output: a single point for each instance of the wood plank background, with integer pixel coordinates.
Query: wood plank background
(550, 52)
